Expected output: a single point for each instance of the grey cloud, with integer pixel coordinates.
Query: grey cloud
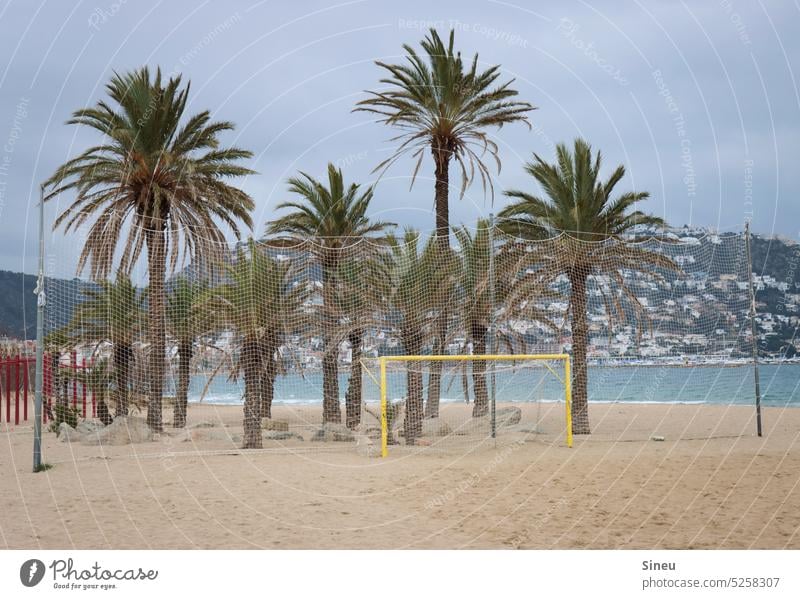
(288, 74)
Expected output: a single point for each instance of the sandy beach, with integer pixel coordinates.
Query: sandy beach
(711, 483)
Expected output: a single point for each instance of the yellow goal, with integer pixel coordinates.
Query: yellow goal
(547, 362)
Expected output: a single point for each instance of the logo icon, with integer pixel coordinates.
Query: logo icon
(31, 572)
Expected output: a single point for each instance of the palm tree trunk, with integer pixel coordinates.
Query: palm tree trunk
(441, 158)
(251, 361)
(580, 340)
(182, 391)
(435, 376)
(352, 399)
(156, 258)
(121, 356)
(412, 424)
(481, 405)
(440, 331)
(268, 380)
(102, 408)
(331, 410)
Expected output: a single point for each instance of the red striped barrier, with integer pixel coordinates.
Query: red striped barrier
(17, 381)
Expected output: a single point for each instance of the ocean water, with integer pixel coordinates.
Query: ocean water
(730, 385)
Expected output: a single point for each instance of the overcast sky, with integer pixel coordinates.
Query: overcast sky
(700, 101)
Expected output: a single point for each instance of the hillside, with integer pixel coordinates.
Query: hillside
(776, 269)
(18, 303)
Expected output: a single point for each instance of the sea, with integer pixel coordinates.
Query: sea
(637, 384)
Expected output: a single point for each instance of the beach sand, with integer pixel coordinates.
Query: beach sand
(710, 484)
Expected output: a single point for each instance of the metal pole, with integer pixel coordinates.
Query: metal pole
(492, 349)
(384, 412)
(40, 303)
(753, 326)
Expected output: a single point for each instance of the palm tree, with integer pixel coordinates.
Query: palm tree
(477, 307)
(334, 220)
(414, 287)
(157, 179)
(112, 312)
(593, 234)
(259, 303)
(443, 106)
(186, 321)
(440, 106)
(485, 300)
(358, 298)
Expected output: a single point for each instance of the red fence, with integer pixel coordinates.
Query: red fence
(17, 378)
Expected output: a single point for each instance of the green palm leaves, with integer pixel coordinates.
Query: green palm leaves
(158, 180)
(334, 215)
(152, 170)
(440, 103)
(588, 233)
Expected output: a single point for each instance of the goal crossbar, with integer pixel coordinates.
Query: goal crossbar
(383, 360)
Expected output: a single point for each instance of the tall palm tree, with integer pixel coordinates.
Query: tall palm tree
(157, 178)
(112, 312)
(258, 303)
(441, 105)
(186, 322)
(444, 106)
(414, 287)
(590, 234)
(333, 220)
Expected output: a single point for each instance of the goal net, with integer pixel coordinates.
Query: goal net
(481, 398)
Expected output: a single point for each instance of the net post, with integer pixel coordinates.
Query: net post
(384, 411)
(492, 349)
(568, 398)
(753, 325)
(39, 379)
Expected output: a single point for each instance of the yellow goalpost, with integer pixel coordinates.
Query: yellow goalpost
(383, 360)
